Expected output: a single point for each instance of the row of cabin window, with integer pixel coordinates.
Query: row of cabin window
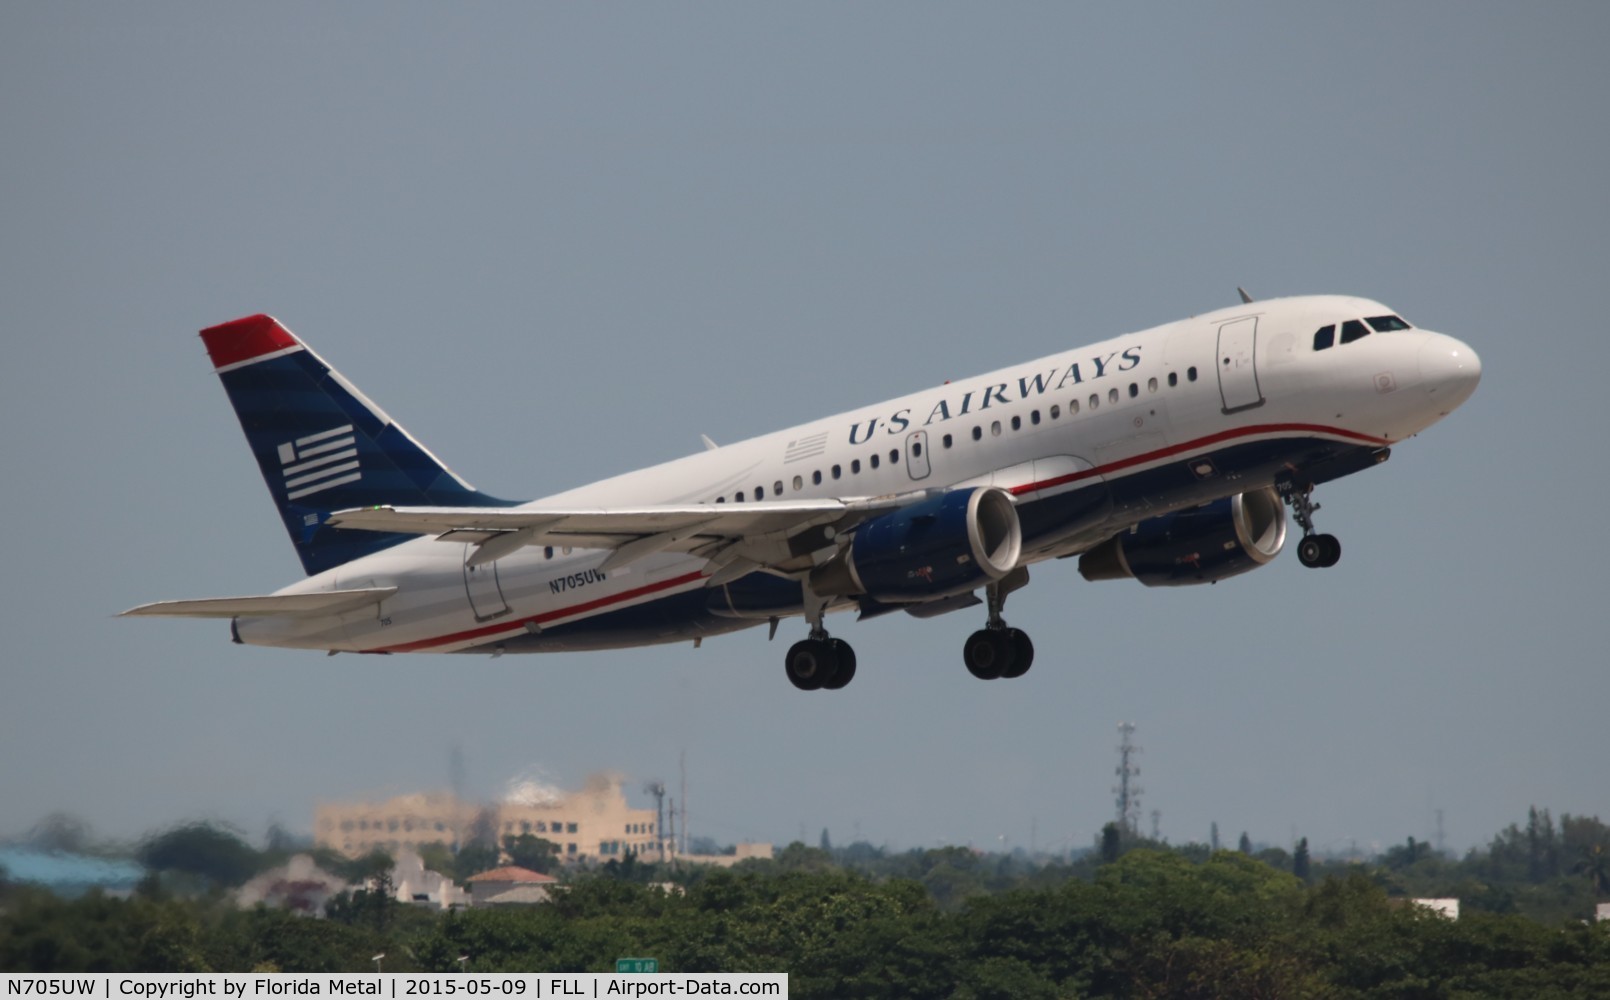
(1113, 395)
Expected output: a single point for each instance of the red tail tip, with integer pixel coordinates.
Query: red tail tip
(244, 339)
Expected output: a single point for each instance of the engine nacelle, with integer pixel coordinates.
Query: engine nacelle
(948, 544)
(1204, 544)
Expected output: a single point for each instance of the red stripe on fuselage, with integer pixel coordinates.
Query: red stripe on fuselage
(244, 339)
(546, 616)
(1189, 446)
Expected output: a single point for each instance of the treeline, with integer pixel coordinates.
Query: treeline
(1127, 919)
(1152, 924)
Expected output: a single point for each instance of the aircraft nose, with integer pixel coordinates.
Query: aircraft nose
(1449, 370)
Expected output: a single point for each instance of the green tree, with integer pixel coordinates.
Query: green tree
(1300, 864)
(533, 852)
(203, 849)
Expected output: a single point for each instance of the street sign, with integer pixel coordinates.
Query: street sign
(637, 965)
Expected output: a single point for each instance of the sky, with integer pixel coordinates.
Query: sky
(561, 241)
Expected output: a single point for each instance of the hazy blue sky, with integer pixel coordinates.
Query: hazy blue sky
(561, 241)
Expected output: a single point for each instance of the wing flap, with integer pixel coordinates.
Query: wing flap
(324, 602)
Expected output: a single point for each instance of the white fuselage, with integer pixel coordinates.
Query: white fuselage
(1240, 387)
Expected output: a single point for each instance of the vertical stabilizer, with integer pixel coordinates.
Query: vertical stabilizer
(322, 445)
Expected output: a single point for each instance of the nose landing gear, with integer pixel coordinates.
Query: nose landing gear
(1315, 550)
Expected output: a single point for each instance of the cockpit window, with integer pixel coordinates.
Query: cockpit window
(1353, 330)
(1324, 337)
(1387, 324)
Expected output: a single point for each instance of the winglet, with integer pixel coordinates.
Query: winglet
(1245, 298)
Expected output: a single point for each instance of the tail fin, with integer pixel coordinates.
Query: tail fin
(322, 445)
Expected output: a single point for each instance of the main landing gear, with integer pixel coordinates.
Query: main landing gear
(1314, 551)
(998, 650)
(821, 661)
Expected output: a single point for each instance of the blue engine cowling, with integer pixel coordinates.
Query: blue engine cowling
(1204, 544)
(949, 543)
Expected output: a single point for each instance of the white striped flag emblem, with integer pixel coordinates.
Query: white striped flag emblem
(319, 462)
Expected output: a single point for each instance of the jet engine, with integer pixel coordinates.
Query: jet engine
(949, 543)
(1203, 544)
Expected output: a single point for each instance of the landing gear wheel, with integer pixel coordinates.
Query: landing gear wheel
(1318, 551)
(811, 663)
(845, 654)
(1022, 653)
(988, 653)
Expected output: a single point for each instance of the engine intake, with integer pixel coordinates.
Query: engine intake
(1204, 544)
(947, 544)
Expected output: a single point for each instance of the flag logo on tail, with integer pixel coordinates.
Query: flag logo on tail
(319, 462)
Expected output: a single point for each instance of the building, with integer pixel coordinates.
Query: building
(594, 824)
(419, 886)
(299, 885)
(743, 852)
(510, 886)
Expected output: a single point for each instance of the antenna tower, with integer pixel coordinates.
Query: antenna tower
(1128, 792)
(656, 788)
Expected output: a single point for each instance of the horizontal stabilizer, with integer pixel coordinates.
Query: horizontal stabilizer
(324, 602)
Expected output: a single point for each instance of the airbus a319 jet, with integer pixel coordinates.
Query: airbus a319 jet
(1168, 456)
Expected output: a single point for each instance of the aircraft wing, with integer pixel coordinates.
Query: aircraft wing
(324, 602)
(741, 536)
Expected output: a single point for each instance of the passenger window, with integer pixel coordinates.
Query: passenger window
(894, 456)
(1073, 407)
(1173, 379)
(1017, 423)
(837, 472)
(1388, 324)
(995, 428)
(547, 553)
(1324, 337)
(916, 449)
(947, 440)
(855, 467)
(1151, 384)
(1095, 401)
(1112, 395)
(874, 460)
(978, 433)
(721, 499)
(760, 493)
(1190, 374)
(1056, 411)
(816, 477)
(1353, 330)
(737, 498)
(777, 488)
(1134, 390)
(799, 483)
(1034, 417)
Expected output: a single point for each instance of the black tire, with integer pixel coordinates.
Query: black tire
(987, 653)
(844, 653)
(810, 664)
(1311, 551)
(1333, 550)
(1022, 653)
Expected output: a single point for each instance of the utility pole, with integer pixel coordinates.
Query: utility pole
(656, 788)
(1128, 792)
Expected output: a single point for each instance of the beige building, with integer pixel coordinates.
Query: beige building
(591, 825)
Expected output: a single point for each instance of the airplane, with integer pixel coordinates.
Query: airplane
(1166, 456)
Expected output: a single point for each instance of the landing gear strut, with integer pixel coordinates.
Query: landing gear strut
(821, 661)
(998, 650)
(1315, 550)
